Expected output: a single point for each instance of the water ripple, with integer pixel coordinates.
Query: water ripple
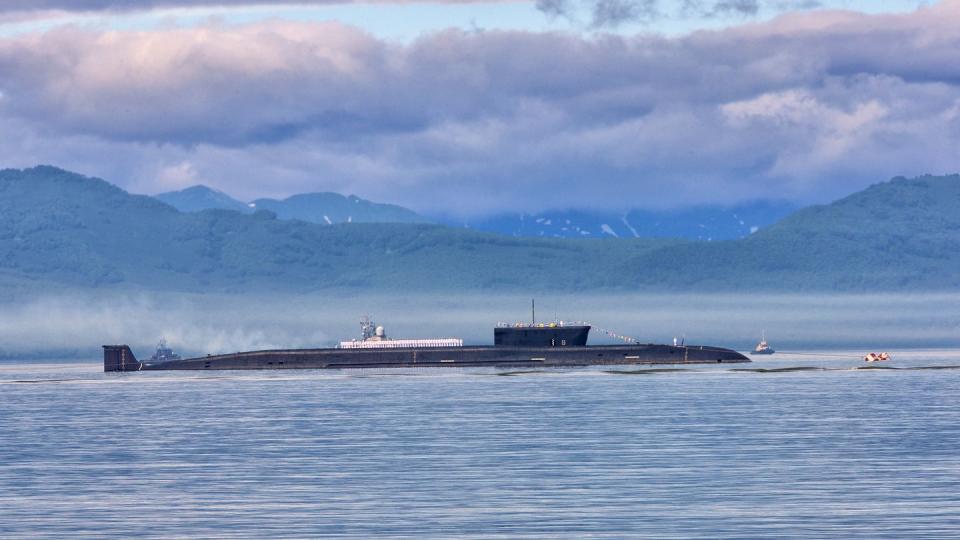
(805, 449)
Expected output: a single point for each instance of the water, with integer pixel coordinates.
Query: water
(798, 447)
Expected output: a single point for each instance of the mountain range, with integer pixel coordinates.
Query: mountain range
(695, 223)
(698, 223)
(324, 208)
(60, 228)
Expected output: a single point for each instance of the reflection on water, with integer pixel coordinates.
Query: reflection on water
(815, 447)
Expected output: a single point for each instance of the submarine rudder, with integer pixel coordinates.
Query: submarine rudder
(120, 358)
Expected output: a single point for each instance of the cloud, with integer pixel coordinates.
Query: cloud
(553, 8)
(608, 13)
(806, 107)
(25, 6)
(178, 176)
(832, 132)
(95, 5)
(605, 13)
(613, 13)
(745, 7)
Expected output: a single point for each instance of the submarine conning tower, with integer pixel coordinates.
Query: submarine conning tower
(540, 335)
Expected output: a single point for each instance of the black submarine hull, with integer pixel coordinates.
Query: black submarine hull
(121, 358)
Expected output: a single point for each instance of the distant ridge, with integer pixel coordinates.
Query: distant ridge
(321, 208)
(58, 227)
(330, 208)
(700, 223)
(197, 198)
(697, 223)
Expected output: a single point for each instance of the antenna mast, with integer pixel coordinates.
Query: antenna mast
(533, 312)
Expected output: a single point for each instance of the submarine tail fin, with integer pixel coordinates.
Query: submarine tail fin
(119, 358)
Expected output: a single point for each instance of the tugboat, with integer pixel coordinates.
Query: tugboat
(763, 347)
(164, 353)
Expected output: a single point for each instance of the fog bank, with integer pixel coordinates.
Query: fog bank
(76, 325)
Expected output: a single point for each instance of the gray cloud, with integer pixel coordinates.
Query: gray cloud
(806, 107)
(611, 10)
(134, 5)
(612, 13)
(608, 13)
(13, 11)
(746, 7)
(553, 8)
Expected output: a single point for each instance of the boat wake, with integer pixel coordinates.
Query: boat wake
(783, 369)
(445, 373)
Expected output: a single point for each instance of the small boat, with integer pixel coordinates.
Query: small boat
(164, 353)
(763, 347)
(876, 357)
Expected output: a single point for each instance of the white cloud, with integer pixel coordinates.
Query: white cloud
(176, 177)
(809, 106)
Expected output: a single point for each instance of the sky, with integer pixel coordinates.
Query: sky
(470, 108)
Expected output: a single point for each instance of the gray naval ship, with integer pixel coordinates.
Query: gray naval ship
(519, 345)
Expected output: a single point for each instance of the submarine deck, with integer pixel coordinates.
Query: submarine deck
(115, 357)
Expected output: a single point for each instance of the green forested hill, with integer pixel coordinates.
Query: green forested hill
(59, 227)
(898, 235)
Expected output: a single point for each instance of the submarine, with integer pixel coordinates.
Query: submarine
(518, 345)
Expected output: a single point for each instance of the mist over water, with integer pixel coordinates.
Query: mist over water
(76, 325)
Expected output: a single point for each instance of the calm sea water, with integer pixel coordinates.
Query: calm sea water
(787, 447)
